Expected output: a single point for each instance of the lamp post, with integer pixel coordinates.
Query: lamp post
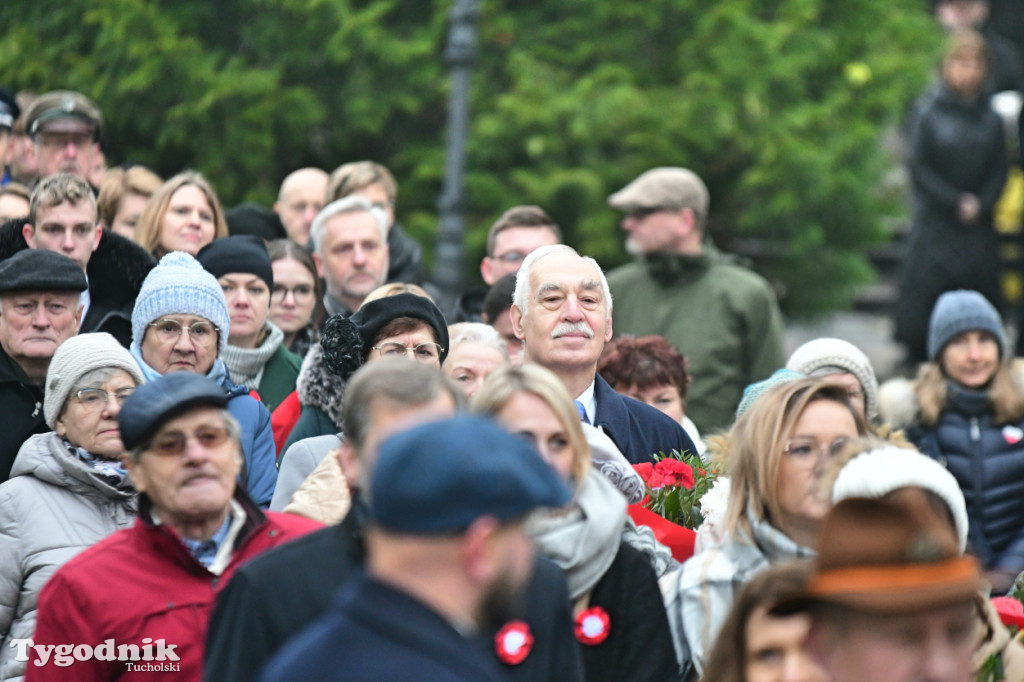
(459, 55)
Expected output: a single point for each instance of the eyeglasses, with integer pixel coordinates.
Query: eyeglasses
(201, 333)
(174, 443)
(95, 399)
(510, 257)
(424, 352)
(60, 141)
(807, 452)
(302, 294)
(641, 213)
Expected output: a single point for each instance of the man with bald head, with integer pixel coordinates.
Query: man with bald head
(562, 311)
(299, 200)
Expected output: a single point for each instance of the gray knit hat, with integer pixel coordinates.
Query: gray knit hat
(962, 311)
(821, 357)
(75, 358)
(879, 472)
(179, 285)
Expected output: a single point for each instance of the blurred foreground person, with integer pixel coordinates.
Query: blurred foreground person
(893, 598)
(447, 558)
(621, 626)
(756, 645)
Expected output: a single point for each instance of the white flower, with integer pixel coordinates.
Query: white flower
(716, 499)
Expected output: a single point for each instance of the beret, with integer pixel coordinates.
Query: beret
(151, 405)
(441, 476)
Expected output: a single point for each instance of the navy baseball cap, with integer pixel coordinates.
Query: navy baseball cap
(151, 405)
(441, 476)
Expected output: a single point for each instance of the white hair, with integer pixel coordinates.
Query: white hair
(520, 299)
(350, 204)
(476, 332)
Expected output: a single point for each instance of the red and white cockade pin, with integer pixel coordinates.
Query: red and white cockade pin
(592, 626)
(1012, 434)
(513, 642)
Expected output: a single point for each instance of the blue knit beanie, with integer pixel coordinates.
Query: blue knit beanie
(962, 311)
(754, 391)
(179, 285)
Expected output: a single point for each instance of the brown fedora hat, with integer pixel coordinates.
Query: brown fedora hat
(891, 557)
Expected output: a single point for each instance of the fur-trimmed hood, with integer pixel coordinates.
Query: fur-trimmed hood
(320, 388)
(898, 407)
(116, 270)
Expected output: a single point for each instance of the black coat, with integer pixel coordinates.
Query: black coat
(637, 429)
(956, 148)
(21, 407)
(116, 271)
(376, 633)
(279, 593)
(639, 647)
(405, 257)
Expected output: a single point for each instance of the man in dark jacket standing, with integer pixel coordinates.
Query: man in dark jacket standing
(447, 558)
(39, 294)
(562, 310)
(276, 595)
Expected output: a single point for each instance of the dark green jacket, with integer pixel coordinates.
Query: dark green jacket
(722, 316)
(279, 377)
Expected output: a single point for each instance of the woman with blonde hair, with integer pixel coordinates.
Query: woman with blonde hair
(775, 455)
(183, 215)
(620, 619)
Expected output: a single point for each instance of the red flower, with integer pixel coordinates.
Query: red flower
(1010, 611)
(673, 472)
(644, 470)
(592, 626)
(513, 642)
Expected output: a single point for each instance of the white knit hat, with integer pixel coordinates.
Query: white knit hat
(879, 472)
(845, 357)
(75, 358)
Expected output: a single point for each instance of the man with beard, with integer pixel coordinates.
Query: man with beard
(446, 559)
(65, 129)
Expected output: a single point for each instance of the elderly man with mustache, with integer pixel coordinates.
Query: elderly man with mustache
(562, 311)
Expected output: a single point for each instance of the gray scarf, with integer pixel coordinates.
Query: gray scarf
(583, 538)
(245, 365)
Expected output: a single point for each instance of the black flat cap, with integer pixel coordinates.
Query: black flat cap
(41, 270)
(152, 405)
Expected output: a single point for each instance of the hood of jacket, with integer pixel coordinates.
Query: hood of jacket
(319, 387)
(45, 457)
(116, 269)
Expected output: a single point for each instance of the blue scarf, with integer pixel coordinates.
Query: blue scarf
(219, 371)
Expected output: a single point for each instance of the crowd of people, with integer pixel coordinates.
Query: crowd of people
(249, 444)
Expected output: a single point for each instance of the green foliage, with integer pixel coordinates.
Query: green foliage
(778, 104)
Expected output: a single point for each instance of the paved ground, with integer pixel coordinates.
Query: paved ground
(869, 332)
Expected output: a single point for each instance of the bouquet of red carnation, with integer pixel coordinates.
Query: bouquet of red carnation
(675, 483)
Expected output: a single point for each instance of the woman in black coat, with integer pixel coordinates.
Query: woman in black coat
(958, 167)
